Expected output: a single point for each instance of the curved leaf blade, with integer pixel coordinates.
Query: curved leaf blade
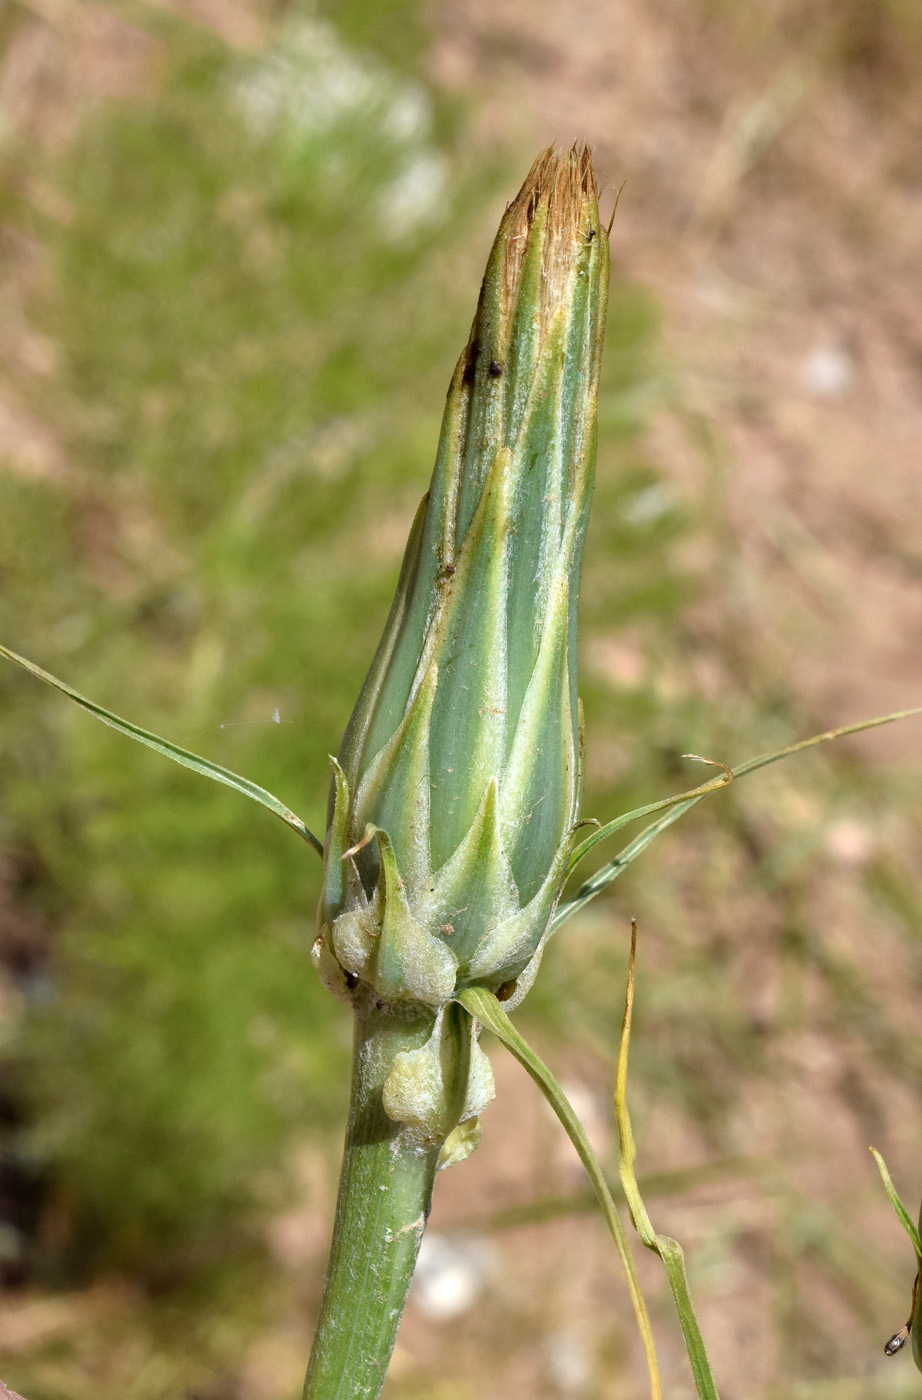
(668, 1249)
(902, 1213)
(485, 1008)
(609, 829)
(203, 766)
(678, 806)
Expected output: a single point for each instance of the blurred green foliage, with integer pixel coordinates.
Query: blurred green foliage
(249, 290)
(243, 334)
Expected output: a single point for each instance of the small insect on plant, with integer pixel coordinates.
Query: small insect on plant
(454, 810)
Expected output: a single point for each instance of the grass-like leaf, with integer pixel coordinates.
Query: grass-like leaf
(485, 1008)
(669, 1250)
(913, 1324)
(163, 746)
(902, 1213)
(609, 829)
(679, 805)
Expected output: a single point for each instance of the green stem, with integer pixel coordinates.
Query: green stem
(384, 1195)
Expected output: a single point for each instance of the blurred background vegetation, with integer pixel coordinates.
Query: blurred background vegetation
(240, 249)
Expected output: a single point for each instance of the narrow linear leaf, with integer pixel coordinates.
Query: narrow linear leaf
(668, 1249)
(163, 746)
(913, 1324)
(902, 1213)
(609, 829)
(764, 759)
(610, 872)
(683, 803)
(485, 1008)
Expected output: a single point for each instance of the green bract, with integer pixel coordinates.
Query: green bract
(457, 786)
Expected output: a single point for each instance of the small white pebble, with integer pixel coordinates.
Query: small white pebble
(567, 1362)
(450, 1275)
(850, 842)
(648, 505)
(828, 372)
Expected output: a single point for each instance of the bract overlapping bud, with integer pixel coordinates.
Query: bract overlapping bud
(457, 785)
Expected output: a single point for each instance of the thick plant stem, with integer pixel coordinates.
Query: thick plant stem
(384, 1195)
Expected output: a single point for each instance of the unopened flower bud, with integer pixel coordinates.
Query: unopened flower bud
(457, 786)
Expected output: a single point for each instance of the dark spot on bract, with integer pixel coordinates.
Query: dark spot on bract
(470, 365)
(496, 369)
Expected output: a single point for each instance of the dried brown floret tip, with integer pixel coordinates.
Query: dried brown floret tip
(559, 198)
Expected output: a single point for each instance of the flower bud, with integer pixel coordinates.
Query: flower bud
(457, 786)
